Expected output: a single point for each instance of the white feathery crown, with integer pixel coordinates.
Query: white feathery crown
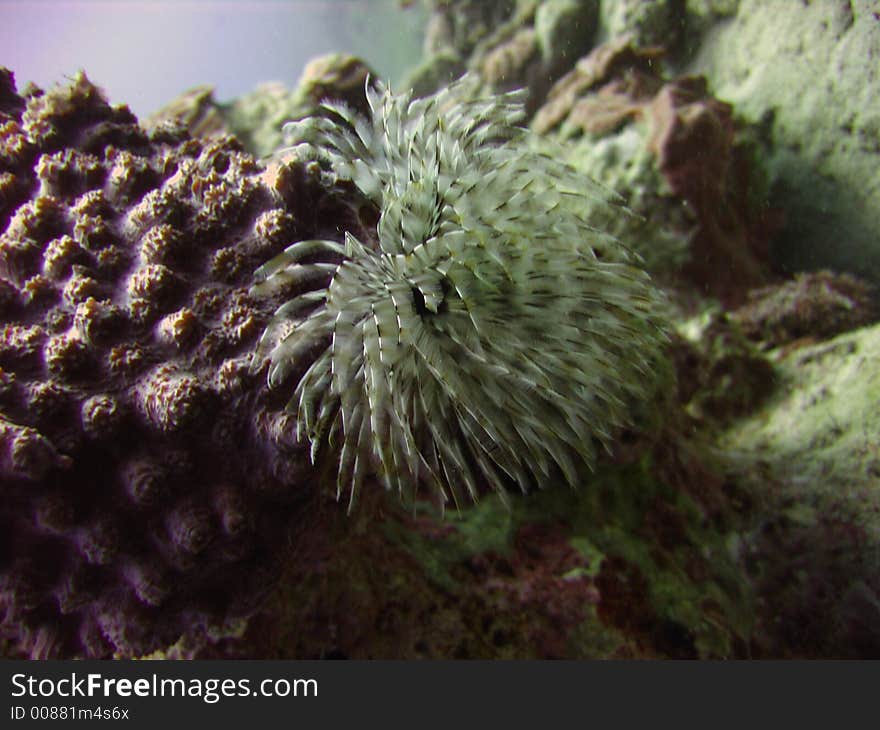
(492, 336)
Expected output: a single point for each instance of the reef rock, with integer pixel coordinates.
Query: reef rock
(809, 457)
(806, 74)
(678, 157)
(525, 44)
(815, 306)
(634, 565)
(256, 118)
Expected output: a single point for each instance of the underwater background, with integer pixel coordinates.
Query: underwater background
(724, 495)
(148, 52)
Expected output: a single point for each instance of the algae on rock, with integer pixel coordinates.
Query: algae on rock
(810, 456)
(807, 73)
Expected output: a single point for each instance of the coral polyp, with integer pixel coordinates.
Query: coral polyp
(490, 335)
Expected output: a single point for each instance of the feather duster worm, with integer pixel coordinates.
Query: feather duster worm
(490, 334)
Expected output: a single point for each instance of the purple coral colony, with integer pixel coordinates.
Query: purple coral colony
(147, 477)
